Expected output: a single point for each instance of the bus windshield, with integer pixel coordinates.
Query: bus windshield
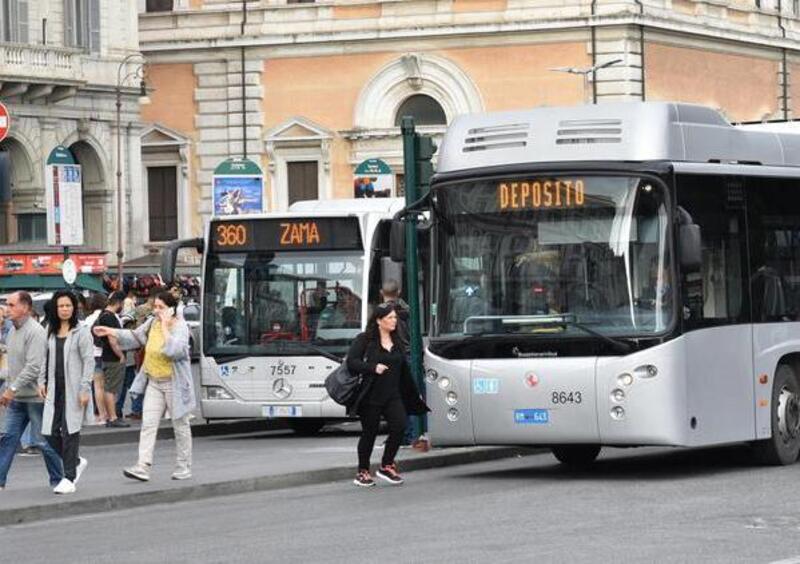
(267, 303)
(546, 256)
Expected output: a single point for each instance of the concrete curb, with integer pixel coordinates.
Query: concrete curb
(106, 437)
(193, 492)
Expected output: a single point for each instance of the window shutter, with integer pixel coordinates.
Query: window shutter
(22, 21)
(69, 23)
(94, 26)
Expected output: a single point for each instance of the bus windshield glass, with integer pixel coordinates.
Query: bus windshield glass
(545, 255)
(290, 303)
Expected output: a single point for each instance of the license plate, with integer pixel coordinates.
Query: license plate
(282, 410)
(531, 416)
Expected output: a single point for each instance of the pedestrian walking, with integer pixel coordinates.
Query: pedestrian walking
(65, 383)
(26, 355)
(165, 378)
(387, 390)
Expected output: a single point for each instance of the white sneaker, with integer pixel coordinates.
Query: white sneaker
(138, 472)
(182, 474)
(64, 487)
(82, 464)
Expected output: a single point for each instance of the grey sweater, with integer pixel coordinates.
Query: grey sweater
(26, 356)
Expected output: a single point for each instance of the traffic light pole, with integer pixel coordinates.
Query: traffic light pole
(410, 142)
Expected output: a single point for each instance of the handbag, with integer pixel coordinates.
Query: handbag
(342, 385)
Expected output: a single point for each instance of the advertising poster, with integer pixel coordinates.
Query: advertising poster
(238, 188)
(43, 263)
(373, 179)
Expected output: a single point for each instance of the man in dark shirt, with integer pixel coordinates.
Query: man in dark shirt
(113, 361)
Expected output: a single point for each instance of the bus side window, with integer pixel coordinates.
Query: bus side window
(773, 212)
(717, 294)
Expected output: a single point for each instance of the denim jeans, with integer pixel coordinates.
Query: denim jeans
(130, 376)
(18, 415)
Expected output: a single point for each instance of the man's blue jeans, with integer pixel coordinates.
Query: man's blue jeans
(18, 415)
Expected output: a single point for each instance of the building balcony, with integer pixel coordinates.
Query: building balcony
(40, 71)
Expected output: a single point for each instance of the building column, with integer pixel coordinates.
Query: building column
(622, 81)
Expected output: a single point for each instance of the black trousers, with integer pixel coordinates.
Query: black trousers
(64, 444)
(395, 414)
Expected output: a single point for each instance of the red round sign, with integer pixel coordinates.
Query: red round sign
(5, 121)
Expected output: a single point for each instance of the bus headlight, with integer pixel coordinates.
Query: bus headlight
(452, 414)
(444, 382)
(625, 379)
(617, 413)
(431, 375)
(216, 393)
(617, 395)
(451, 398)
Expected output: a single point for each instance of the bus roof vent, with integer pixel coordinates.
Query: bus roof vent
(505, 136)
(589, 131)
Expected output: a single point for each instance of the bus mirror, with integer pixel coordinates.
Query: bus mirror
(397, 241)
(391, 270)
(690, 247)
(169, 256)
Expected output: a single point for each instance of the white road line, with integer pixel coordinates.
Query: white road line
(791, 560)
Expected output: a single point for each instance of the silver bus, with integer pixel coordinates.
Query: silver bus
(284, 294)
(621, 275)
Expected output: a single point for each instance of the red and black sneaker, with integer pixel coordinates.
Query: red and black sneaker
(364, 479)
(389, 473)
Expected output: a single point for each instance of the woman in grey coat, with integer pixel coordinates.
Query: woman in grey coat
(165, 378)
(65, 385)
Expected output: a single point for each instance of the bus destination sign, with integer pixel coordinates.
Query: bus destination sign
(286, 234)
(540, 193)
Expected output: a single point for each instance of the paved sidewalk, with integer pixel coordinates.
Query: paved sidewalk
(223, 465)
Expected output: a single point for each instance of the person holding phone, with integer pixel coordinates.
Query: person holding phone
(165, 378)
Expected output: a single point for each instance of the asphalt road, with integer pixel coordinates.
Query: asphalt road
(645, 505)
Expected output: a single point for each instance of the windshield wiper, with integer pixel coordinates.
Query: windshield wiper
(616, 344)
(309, 348)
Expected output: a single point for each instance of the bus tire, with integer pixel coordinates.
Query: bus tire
(306, 427)
(783, 446)
(576, 456)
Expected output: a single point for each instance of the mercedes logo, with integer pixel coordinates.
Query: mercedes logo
(281, 388)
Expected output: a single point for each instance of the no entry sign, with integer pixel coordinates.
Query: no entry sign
(5, 121)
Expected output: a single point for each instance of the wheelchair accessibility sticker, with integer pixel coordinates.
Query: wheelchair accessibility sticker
(486, 386)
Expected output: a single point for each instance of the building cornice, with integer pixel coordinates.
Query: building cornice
(179, 33)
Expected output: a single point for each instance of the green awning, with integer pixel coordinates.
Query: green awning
(39, 282)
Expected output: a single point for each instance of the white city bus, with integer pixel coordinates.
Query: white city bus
(284, 294)
(615, 275)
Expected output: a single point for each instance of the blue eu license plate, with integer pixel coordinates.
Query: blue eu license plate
(531, 416)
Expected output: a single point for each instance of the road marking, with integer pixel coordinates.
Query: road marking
(791, 560)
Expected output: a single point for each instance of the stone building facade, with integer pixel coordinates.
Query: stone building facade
(321, 84)
(60, 64)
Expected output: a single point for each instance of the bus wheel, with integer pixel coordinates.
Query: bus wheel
(784, 445)
(306, 427)
(576, 455)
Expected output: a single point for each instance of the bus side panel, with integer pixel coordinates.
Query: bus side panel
(443, 431)
(654, 403)
(720, 393)
(771, 341)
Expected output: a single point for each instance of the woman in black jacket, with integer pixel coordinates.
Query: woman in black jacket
(387, 390)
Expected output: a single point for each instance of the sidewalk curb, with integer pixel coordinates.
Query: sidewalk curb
(107, 437)
(194, 492)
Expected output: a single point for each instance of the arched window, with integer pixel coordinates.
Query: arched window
(424, 109)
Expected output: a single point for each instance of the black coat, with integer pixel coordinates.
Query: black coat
(361, 360)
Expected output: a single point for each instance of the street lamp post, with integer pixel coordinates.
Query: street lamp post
(586, 73)
(137, 72)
